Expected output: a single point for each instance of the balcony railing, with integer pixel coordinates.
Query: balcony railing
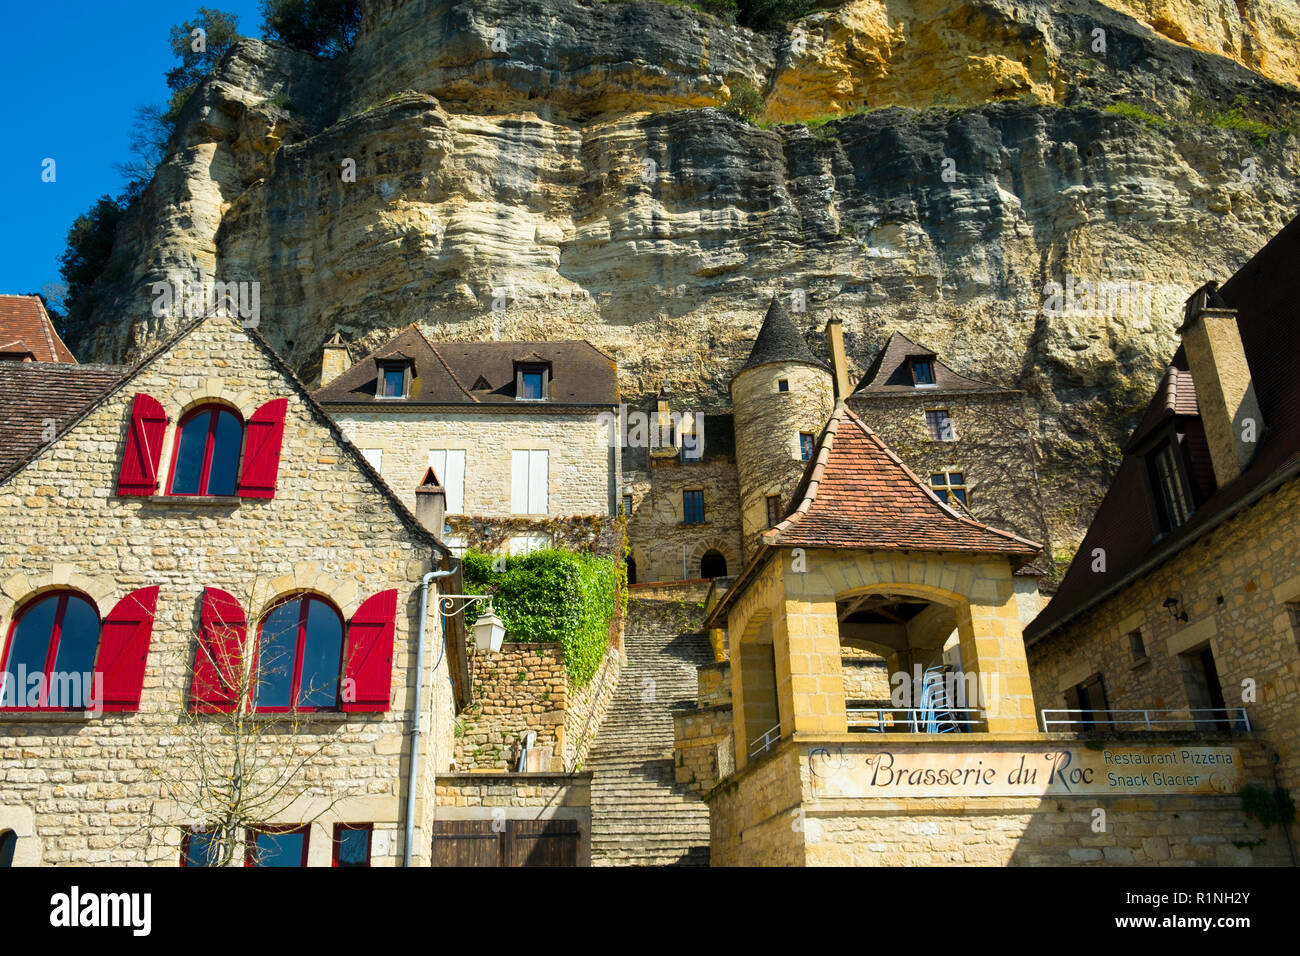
(1232, 719)
(903, 720)
(766, 742)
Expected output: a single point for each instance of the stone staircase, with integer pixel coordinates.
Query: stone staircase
(640, 815)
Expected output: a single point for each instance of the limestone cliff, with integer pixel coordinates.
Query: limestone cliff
(563, 158)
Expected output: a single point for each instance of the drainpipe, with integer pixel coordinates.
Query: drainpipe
(415, 715)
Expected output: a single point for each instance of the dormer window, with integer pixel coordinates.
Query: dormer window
(532, 382)
(923, 372)
(1169, 486)
(394, 380)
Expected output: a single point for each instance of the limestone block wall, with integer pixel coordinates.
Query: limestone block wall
(583, 465)
(661, 542)
(88, 781)
(1235, 585)
(703, 751)
(990, 446)
(866, 676)
(588, 705)
(754, 817)
(523, 687)
(768, 423)
(713, 682)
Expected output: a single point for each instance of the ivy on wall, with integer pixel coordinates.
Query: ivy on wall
(555, 595)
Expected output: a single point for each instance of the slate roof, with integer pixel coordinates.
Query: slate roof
(450, 373)
(39, 399)
(779, 341)
(858, 494)
(1266, 294)
(889, 373)
(26, 330)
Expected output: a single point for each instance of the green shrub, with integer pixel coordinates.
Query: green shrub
(1134, 112)
(746, 101)
(551, 596)
(1268, 808)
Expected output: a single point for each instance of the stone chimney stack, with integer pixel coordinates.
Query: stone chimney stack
(839, 360)
(333, 359)
(1224, 391)
(431, 504)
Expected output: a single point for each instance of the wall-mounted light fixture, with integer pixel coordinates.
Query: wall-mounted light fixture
(489, 632)
(1175, 608)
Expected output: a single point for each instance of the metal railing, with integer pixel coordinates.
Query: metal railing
(1211, 718)
(766, 742)
(913, 720)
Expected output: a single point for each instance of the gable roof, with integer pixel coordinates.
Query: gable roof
(450, 373)
(779, 341)
(26, 329)
(322, 417)
(38, 396)
(889, 372)
(858, 494)
(1265, 292)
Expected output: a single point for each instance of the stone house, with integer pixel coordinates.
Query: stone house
(1182, 606)
(519, 434)
(198, 548)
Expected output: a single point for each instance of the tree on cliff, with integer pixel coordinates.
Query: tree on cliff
(90, 243)
(322, 27)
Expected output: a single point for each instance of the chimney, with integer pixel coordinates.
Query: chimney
(1224, 391)
(431, 504)
(839, 361)
(333, 359)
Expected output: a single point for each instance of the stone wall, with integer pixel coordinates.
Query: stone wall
(768, 814)
(991, 448)
(1234, 585)
(866, 676)
(588, 705)
(713, 682)
(89, 782)
(664, 547)
(583, 467)
(497, 797)
(587, 534)
(702, 746)
(768, 424)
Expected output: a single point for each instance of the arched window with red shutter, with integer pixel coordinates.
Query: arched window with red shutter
(368, 673)
(143, 450)
(219, 660)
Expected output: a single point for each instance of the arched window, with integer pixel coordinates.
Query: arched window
(8, 843)
(207, 452)
(50, 655)
(299, 656)
(713, 565)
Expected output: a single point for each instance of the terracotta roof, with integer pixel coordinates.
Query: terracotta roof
(38, 399)
(448, 373)
(25, 328)
(890, 373)
(779, 341)
(1266, 294)
(858, 494)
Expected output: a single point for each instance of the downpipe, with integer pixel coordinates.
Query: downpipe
(427, 580)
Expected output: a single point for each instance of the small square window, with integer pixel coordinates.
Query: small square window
(532, 386)
(806, 443)
(950, 486)
(1137, 647)
(922, 372)
(392, 381)
(278, 848)
(939, 424)
(773, 510)
(352, 844)
(200, 849)
(693, 507)
(783, 385)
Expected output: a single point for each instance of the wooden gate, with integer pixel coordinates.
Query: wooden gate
(519, 843)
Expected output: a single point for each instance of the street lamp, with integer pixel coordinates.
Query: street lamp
(489, 632)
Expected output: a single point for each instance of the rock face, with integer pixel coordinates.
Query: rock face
(561, 161)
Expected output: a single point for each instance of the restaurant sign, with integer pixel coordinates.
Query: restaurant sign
(948, 771)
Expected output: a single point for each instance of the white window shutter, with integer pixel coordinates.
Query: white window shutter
(537, 482)
(438, 462)
(455, 482)
(519, 482)
(376, 458)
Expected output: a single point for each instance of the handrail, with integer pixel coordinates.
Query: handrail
(1236, 717)
(767, 740)
(918, 720)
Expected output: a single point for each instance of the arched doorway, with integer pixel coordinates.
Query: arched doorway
(8, 842)
(713, 564)
(631, 570)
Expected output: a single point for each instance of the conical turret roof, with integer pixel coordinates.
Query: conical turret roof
(779, 341)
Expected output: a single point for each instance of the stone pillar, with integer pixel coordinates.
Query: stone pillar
(809, 674)
(993, 647)
(753, 690)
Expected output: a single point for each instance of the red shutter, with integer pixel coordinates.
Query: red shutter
(144, 437)
(368, 677)
(124, 648)
(262, 437)
(218, 662)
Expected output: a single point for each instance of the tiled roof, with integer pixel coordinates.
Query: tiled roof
(858, 494)
(1266, 294)
(890, 373)
(779, 341)
(25, 327)
(38, 399)
(449, 372)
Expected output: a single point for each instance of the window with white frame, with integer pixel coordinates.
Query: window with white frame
(529, 482)
(521, 544)
(449, 465)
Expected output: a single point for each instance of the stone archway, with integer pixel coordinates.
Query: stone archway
(728, 553)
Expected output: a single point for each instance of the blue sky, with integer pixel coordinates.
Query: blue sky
(73, 74)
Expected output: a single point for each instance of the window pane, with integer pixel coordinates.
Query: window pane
(942, 495)
(938, 480)
(394, 382)
(189, 455)
(75, 658)
(225, 454)
(924, 373)
(354, 847)
(27, 651)
(276, 652)
(805, 446)
(960, 494)
(201, 849)
(532, 384)
(321, 655)
(278, 849)
(957, 478)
